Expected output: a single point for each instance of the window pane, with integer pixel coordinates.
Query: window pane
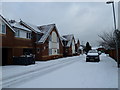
(17, 33)
(58, 51)
(3, 28)
(30, 35)
(23, 34)
(50, 51)
(0, 28)
(27, 35)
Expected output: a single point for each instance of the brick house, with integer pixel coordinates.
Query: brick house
(21, 38)
(6, 36)
(68, 45)
(16, 40)
(47, 43)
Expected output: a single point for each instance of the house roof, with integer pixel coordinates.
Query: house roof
(45, 29)
(76, 41)
(16, 24)
(31, 26)
(81, 47)
(69, 39)
(6, 22)
(62, 38)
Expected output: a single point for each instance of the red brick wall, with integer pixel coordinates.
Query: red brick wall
(112, 53)
(17, 51)
(8, 38)
(14, 46)
(67, 51)
(22, 43)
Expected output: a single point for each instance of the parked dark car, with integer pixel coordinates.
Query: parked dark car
(24, 60)
(93, 56)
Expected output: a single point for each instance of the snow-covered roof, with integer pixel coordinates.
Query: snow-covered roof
(6, 22)
(31, 26)
(95, 47)
(45, 29)
(62, 38)
(16, 24)
(76, 41)
(80, 47)
(69, 39)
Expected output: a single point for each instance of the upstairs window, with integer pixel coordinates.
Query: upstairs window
(57, 39)
(2, 27)
(17, 33)
(28, 35)
(22, 34)
(54, 37)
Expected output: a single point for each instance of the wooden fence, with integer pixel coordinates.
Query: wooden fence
(112, 53)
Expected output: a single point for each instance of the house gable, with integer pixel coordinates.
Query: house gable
(32, 27)
(20, 30)
(47, 29)
(54, 43)
(2, 19)
(68, 39)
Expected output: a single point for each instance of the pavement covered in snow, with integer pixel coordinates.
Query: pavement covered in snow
(70, 72)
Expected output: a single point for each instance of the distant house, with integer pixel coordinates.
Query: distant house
(16, 40)
(68, 45)
(77, 45)
(48, 44)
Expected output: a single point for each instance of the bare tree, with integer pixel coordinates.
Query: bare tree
(108, 39)
(118, 37)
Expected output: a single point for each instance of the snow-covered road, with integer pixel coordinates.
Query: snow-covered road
(70, 72)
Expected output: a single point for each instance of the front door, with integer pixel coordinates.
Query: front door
(7, 56)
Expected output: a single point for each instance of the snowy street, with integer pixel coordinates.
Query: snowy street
(70, 72)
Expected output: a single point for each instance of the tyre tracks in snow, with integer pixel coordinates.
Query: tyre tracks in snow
(36, 72)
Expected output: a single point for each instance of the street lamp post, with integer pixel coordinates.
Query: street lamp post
(115, 32)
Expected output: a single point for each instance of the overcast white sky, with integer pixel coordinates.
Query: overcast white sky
(83, 19)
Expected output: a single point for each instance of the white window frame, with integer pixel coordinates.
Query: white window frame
(23, 34)
(17, 33)
(28, 35)
(1, 28)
